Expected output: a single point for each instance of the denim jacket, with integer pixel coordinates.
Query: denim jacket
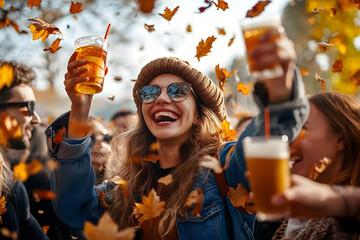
(77, 197)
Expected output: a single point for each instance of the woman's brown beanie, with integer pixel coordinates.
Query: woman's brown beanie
(205, 89)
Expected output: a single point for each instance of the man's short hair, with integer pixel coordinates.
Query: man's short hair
(22, 75)
(121, 113)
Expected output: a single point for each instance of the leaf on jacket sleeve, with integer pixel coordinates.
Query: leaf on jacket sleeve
(54, 46)
(322, 81)
(42, 29)
(75, 7)
(203, 48)
(195, 200)
(221, 4)
(151, 207)
(257, 9)
(107, 229)
(101, 198)
(239, 197)
(59, 136)
(33, 3)
(337, 66)
(168, 14)
(6, 75)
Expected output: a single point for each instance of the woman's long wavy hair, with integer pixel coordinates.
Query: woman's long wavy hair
(6, 176)
(343, 114)
(141, 178)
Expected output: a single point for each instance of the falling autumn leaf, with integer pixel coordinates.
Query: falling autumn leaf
(107, 229)
(356, 77)
(333, 12)
(41, 29)
(23, 171)
(75, 7)
(166, 180)
(257, 9)
(324, 45)
(203, 48)
(9, 129)
(152, 157)
(149, 28)
(225, 132)
(188, 28)
(111, 98)
(59, 136)
(146, 6)
(2, 207)
(304, 71)
(221, 4)
(241, 87)
(319, 167)
(338, 65)
(43, 194)
(150, 207)
(168, 14)
(239, 197)
(6, 75)
(101, 198)
(195, 200)
(33, 3)
(202, 9)
(322, 81)
(54, 46)
(231, 41)
(45, 228)
(221, 31)
(221, 75)
(118, 79)
(122, 184)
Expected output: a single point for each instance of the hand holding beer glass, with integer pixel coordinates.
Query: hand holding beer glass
(267, 160)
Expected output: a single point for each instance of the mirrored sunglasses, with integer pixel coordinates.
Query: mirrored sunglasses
(30, 105)
(177, 92)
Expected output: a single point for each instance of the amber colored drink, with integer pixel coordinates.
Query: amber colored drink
(252, 32)
(94, 50)
(267, 160)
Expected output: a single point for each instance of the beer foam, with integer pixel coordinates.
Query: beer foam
(259, 147)
(261, 22)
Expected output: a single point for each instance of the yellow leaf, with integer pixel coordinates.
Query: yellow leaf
(203, 48)
(150, 207)
(168, 14)
(166, 180)
(54, 46)
(42, 29)
(2, 3)
(188, 28)
(225, 132)
(221, 4)
(221, 75)
(241, 87)
(6, 75)
(239, 196)
(195, 198)
(107, 229)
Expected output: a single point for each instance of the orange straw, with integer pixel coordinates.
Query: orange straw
(107, 31)
(267, 123)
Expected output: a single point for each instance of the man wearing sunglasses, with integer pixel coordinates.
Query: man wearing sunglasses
(18, 101)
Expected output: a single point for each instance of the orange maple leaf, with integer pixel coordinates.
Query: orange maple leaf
(221, 31)
(40, 194)
(23, 171)
(150, 207)
(338, 65)
(42, 29)
(45, 228)
(75, 7)
(225, 132)
(54, 46)
(221, 4)
(146, 6)
(196, 199)
(239, 197)
(107, 229)
(241, 87)
(203, 48)
(33, 3)
(257, 9)
(59, 136)
(221, 75)
(356, 77)
(6, 75)
(168, 14)
(149, 28)
(101, 198)
(231, 41)
(322, 81)
(122, 184)
(319, 167)
(9, 129)
(166, 180)
(152, 157)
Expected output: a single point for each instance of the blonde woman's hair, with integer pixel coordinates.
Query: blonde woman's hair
(6, 179)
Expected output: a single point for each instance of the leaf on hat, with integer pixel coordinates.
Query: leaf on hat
(54, 46)
(257, 9)
(221, 75)
(33, 3)
(149, 28)
(6, 75)
(337, 66)
(42, 29)
(203, 48)
(107, 229)
(168, 14)
(151, 207)
(195, 201)
(75, 7)
(231, 41)
(322, 81)
(221, 4)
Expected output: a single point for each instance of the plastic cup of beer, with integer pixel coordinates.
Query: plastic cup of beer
(94, 50)
(252, 30)
(267, 160)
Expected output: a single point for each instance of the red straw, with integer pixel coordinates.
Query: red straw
(107, 31)
(267, 123)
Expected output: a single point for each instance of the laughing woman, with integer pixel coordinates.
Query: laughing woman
(179, 109)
